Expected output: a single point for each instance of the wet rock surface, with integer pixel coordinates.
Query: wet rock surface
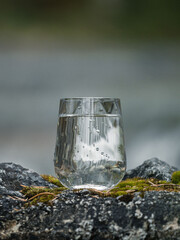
(152, 168)
(80, 215)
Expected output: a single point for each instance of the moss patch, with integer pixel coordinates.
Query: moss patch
(176, 177)
(129, 186)
(125, 189)
(52, 180)
(37, 194)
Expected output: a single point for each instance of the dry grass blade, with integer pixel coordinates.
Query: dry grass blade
(54, 199)
(17, 198)
(40, 194)
(38, 186)
(152, 184)
(15, 209)
(95, 196)
(12, 197)
(130, 191)
(97, 192)
(169, 184)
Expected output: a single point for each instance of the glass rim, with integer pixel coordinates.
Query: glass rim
(93, 98)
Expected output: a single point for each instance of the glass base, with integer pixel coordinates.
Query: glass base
(90, 186)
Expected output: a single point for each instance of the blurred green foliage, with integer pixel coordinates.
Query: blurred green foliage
(119, 19)
(176, 177)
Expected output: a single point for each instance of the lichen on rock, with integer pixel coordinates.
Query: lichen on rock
(39, 207)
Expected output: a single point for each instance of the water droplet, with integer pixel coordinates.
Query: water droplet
(79, 107)
(97, 149)
(78, 151)
(102, 153)
(97, 130)
(100, 109)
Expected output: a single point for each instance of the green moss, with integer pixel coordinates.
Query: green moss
(130, 186)
(29, 192)
(176, 177)
(52, 179)
(35, 195)
(126, 189)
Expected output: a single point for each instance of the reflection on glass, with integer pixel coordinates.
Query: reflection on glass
(89, 149)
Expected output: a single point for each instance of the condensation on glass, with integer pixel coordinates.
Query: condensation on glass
(90, 151)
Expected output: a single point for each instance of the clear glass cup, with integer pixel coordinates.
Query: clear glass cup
(90, 150)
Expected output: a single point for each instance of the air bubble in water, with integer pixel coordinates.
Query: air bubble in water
(102, 153)
(97, 149)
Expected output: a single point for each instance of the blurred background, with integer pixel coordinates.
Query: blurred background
(50, 49)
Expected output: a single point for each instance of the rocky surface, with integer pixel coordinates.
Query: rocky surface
(80, 215)
(152, 168)
(13, 175)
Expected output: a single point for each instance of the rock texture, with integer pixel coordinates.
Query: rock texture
(13, 175)
(152, 168)
(80, 215)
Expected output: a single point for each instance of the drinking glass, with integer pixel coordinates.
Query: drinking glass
(90, 150)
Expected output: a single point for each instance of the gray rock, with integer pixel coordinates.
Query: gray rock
(152, 168)
(13, 175)
(79, 215)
